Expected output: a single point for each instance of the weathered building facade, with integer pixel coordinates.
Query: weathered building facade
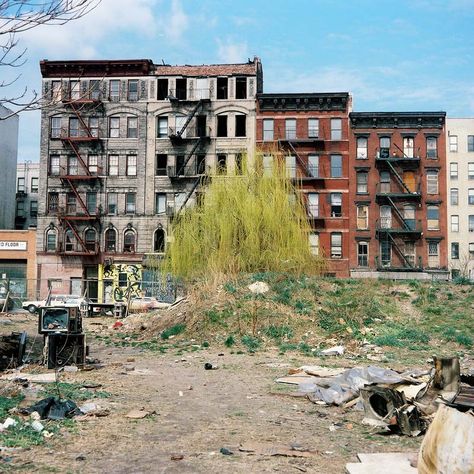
(397, 187)
(124, 147)
(311, 133)
(460, 158)
(27, 187)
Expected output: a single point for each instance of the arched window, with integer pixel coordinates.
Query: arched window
(90, 238)
(129, 241)
(69, 241)
(111, 240)
(51, 239)
(159, 241)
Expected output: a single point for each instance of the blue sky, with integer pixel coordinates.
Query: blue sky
(391, 55)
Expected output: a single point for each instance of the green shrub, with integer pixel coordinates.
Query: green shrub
(173, 331)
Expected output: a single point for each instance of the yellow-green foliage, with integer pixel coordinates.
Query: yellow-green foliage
(245, 223)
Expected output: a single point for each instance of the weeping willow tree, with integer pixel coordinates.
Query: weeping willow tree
(252, 222)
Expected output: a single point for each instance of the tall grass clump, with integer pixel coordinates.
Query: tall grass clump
(252, 222)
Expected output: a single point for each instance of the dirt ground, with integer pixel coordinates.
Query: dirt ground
(198, 412)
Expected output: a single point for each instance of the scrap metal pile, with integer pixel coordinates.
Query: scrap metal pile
(403, 403)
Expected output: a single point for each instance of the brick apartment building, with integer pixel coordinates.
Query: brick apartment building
(397, 190)
(124, 146)
(311, 133)
(27, 187)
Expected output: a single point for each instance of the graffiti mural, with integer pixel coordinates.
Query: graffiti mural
(122, 281)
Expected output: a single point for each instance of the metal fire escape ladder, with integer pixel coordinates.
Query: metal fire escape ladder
(76, 234)
(78, 196)
(398, 177)
(398, 213)
(298, 158)
(399, 251)
(79, 157)
(85, 127)
(188, 158)
(179, 133)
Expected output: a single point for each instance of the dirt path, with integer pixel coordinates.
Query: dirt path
(238, 403)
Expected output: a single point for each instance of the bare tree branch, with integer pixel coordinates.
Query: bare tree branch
(18, 16)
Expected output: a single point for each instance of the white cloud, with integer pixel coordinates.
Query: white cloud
(177, 23)
(230, 52)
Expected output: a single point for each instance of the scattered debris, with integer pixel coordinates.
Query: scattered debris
(12, 350)
(275, 450)
(53, 408)
(259, 287)
(177, 457)
(49, 377)
(336, 350)
(138, 414)
(226, 452)
(209, 366)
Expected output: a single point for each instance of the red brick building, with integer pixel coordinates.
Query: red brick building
(397, 192)
(311, 133)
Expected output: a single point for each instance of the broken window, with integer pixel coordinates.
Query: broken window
(159, 241)
(240, 125)
(161, 164)
(240, 87)
(336, 245)
(201, 129)
(239, 163)
(336, 204)
(267, 129)
(363, 254)
(162, 92)
(132, 91)
(222, 87)
(129, 241)
(181, 89)
(180, 165)
(222, 125)
(432, 215)
(363, 217)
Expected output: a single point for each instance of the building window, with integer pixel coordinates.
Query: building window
(454, 250)
(161, 164)
(336, 204)
(72, 166)
(69, 241)
(471, 250)
(470, 143)
(454, 223)
(91, 203)
(363, 254)
(362, 153)
(240, 125)
(129, 243)
(433, 254)
(470, 196)
(55, 127)
(408, 146)
(410, 252)
(113, 165)
(336, 129)
(162, 89)
(222, 87)
(114, 127)
(385, 187)
(132, 91)
(222, 164)
(336, 166)
(432, 148)
(20, 185)
(94, 89)
(240, 87)
(114, 90)
(93, 164)
(20, 209)
(34, 208)
(313, 165)
(470, 223)
(362, 182)
(470, 170)
(313, 238)
(386, 253)
(453, 170)
(453, 143)
(90, 239)
(290, 163)
(110, 240)
(336, 245)
(53, 199)
(74, 130)
(94, 126)
(290, 129)
(159, 241)
(433, 217)
(432, 182)
(132, 127)
(313, 128)
(454, 196)
(162, 127)
(313, 204)
(409, 216)
(130, 203)
(131, 165)
(112, 203)
(267, 130)
(384, 144)
(56, 91)
(51, 239)
(362, 217)
(74, 90)
(160, 203)
(222, 125)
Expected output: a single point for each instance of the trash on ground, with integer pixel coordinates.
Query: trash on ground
(336, 350)
(271, 449)
(53, 408)
(259, 287)
(209, 366)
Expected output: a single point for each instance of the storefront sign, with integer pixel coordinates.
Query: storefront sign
(12, 245)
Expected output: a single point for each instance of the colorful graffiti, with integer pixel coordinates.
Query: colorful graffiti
(121, 282)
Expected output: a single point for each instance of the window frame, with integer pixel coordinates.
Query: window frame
(112, 166)
(114, 92)
(336, 245)
(432, 151)
(454, 223)
(453, 170)
(453, 143)
(335, 169)
(362, 258)
(114, 210)
(160, 198)
(114, 126)
(130, 204)
(336, 131)
(34, 184)
(432, 223)
(313, 130)
(454, 196)
(432, 182)
(361, 186)
(55, 126)
(132, 95)
(132, 132)
(454, 250)
(361, 218)
(362, 152)
(334, 204)
(131, 165)
(162, 126)
(268, 132)
(290, 128)
(409, 146)
(470, 143)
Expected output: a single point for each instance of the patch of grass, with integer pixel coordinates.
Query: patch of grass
(399, 336)
(230, 288)
(278, 332)
(72, 391)
(287, 347)
(230, 341)
(7, 403)
(303, 306)
(173, 331)
(21, 436)
(251, 343)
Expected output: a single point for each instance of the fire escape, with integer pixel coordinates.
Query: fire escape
(195, 139)
(304, 173)
(397, 224)
(80, 140)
